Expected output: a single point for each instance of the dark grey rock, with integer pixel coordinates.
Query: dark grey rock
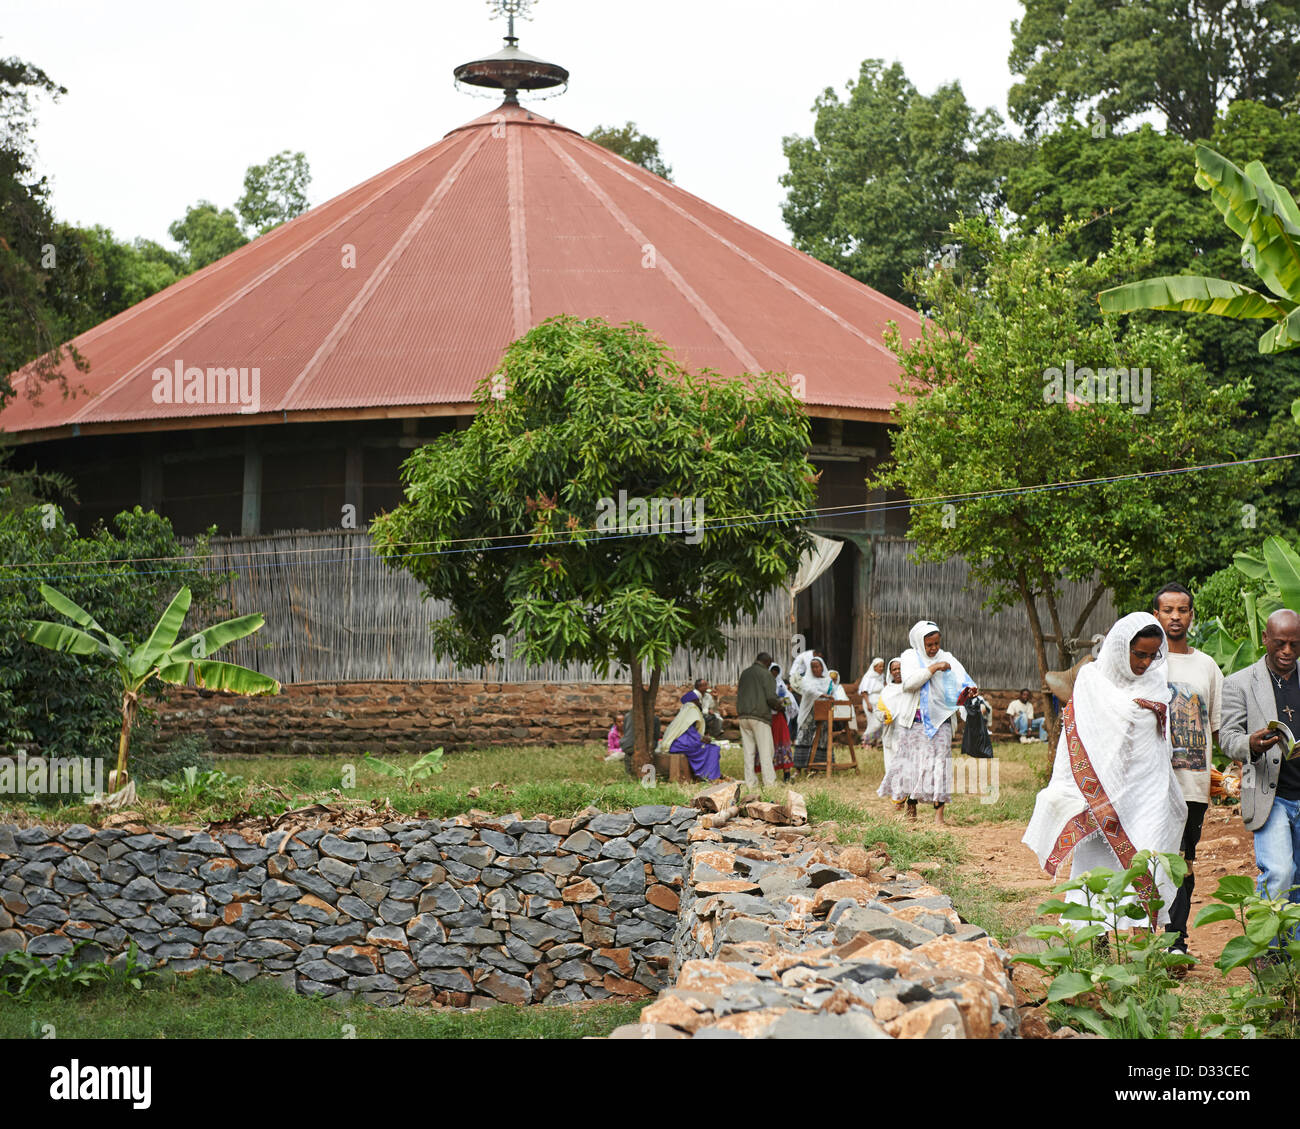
(322, 970)
(346, 849)
(499, 841)
(536, 884)
(282, 930)
(340, 934)
(355, 907)
(629, 879)
(582, 843)
(335, 871)
(142, 890)
(397, 963)
(613, 824)
(455, 981)
(395, 912)
(433, 955)
(382, 872)
(460, 871)
(881, 926)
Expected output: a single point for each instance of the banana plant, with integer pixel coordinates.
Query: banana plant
(1278, 565)
(1264, 215)
(161, 655)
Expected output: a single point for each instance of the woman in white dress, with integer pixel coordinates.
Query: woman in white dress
(869, 689)
(935, 685)
(1113, 791)
(813, 685)
(887, 709)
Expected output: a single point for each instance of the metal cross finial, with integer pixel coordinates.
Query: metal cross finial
(510, 9)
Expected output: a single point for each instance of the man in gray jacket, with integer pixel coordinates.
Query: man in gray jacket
(1270, 780)
(756, 701)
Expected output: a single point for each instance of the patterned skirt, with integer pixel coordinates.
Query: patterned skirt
(920, 767)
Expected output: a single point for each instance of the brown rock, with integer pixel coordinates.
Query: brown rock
(798, 810)
(562, 827)
(938, 1019)
(420, 996)
(620, 986)
(645, 1030)
(885, 952)
(703, 834)
(315, 902)
(887, 1008)
(663, 898)
(975, 958)
(277, 866)
(584, 891)
(728, 886)
(750, 1023)
(622, 959)
(1034, 1023)
(768, 813)
(860, 890)
(977, 1010)
(712, 975)
(745, 951)
(759, 855)
(717, 798)
(543, 981)
(505, 988)
(1030, 984)
(855, 861)
(233, 912)
(911, 913)
(722, 861)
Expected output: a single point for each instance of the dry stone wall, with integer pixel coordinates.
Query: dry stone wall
(463, 912)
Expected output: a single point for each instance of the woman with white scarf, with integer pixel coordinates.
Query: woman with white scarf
(934, 685)
(1113, 791)
(888, 709)
(869, 689)
(813, 685)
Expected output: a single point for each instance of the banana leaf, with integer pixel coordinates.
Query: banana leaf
(1194, 294)
(82, 618)
(162, 637)
(61, 637)
(210, 639)
(1250, 564)
(1285, 335)
(1284, 568)
(219, 676)
(1250, 205)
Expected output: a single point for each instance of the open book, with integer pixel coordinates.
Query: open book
(1289, 746)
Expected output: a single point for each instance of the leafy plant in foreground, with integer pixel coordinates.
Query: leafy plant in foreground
(23, 975)
(428, 765)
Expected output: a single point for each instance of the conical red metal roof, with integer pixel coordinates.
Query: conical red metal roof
(397, 297)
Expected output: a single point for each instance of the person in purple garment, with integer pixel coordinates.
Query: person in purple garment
(686, 735)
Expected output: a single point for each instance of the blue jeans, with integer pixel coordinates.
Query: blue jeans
(1277, 845)
(1021, 726)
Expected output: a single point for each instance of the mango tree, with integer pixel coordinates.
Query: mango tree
(606, 506)
(161, 655)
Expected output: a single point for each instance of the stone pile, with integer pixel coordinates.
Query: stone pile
(462, 912)
(783, 936)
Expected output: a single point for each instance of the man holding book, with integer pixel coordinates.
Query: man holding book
(1268, 691)
(1196, 689)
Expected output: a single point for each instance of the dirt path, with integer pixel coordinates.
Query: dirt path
(995, 854)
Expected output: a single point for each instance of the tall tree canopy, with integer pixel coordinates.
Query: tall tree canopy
(633, 145)
(873, 191)
(1186, 59)
(1001, 405)
(274, 192)
(207, 233)
(510, 520)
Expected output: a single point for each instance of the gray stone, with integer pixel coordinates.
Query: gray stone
(657, 915)
(881, 926)
(335, 871)
(394, 912)
(355, 907)
(369, 892)
(173, 883)
(537, 844)
(630, 879)
(274, 890)
(521, 950)
(617, 849)
(442, 956)
(455, 981)
(322, 970)
(77, 869)
(297, 931)
(582, 843)
(383, 871)
(397, 963)
(475, 935)
(494, 876)
(86, 909)
(536, 883)
(48, 944)
(465, 919)
(460, 871)
(498, 841)
(852, 1024)
(649, 814)
(629, 932)
(142, 890)
(38, 873)
(368, 834)
(599, 870)
(425, 927)
(532, 931)
(338, 934)
(441, 899)
(613, 824)
(562, 919)
(207, 845)
(561, 865)
(528, 827)
(348, 850)
(453, 836)
(265, 947)
(477, 857)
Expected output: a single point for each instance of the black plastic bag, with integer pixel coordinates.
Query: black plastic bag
(975, 739)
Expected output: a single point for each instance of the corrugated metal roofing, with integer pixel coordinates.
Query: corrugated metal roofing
(403, 292)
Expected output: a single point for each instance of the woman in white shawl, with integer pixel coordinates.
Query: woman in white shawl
(873, 682)
(811, 686)
(1113, 792)
(934, 685)
(888, 708)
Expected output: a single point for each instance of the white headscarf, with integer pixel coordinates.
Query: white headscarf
(938, 695)
(872, 683)
(1127, 749)
(812, 688)
(893, 696)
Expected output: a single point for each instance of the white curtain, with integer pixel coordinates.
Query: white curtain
(813, 563)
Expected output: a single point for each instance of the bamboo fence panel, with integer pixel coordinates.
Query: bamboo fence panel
(335, 612)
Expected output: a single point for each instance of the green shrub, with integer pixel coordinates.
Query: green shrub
(1220, 595)
(156, 758)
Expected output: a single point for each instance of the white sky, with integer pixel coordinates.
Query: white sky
(169, 101)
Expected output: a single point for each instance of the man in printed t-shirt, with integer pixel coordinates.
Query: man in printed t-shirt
(1196, 688)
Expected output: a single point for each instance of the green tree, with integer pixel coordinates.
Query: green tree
(873, 191)
(103, 276)
(207, 233)
(46, 702)
(991, 411)
(33, 314)
(1186, 59)
(274, 192)
(633, 145)
(510, 520)
(163, 655)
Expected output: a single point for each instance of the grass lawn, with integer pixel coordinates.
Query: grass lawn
(208, 1005)
(976, 859)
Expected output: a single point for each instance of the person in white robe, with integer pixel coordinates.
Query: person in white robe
(811, 686)
(1113, 791)
(935, 685)
(869, 689)
(889, 706)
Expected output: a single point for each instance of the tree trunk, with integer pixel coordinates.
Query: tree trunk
(1040, 653)
(644, 699)
(130, 701)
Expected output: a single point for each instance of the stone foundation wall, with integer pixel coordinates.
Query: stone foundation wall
(464, 912)
(355, 717)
